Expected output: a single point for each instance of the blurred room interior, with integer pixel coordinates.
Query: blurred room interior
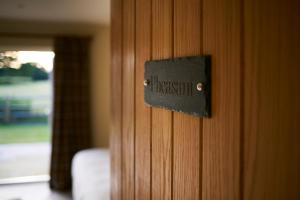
(80, 31)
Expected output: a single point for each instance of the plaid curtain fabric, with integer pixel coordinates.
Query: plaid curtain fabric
(71, 111)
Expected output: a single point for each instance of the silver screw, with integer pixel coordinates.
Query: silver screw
(146, 82)
(200, 87)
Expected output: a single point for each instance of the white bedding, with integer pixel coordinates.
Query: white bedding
(91, 175)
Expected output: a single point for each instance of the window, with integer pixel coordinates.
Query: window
(25, 110)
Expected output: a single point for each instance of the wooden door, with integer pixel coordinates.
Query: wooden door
(249, 149)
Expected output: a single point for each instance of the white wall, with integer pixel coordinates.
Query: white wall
(100, 89)
(25, 44)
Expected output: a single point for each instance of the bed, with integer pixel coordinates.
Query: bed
(91, 175)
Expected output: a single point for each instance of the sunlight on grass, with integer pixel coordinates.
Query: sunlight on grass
(27, 133)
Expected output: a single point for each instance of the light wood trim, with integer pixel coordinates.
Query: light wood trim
(187, 129)
(161, 119)
(221, 133)
(116, 104)
(143, 112)
(128, 98)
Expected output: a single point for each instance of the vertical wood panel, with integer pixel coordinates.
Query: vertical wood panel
(128, 104)
(289, 103)
(161, 119)
(143, 113)
(272, 85)
(221, 133)
(187, 129)
(249, 148)
(116, 104)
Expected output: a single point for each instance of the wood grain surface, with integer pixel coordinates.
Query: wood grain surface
(162, 42)
(221, 133)
(116, 105)
(248, 149)
(187, 154)
(128, 100)
(143, 113)
(272, 100)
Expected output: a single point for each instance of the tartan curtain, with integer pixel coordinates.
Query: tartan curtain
(71, 110)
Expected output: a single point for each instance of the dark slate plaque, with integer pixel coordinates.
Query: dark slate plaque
(180, 84)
